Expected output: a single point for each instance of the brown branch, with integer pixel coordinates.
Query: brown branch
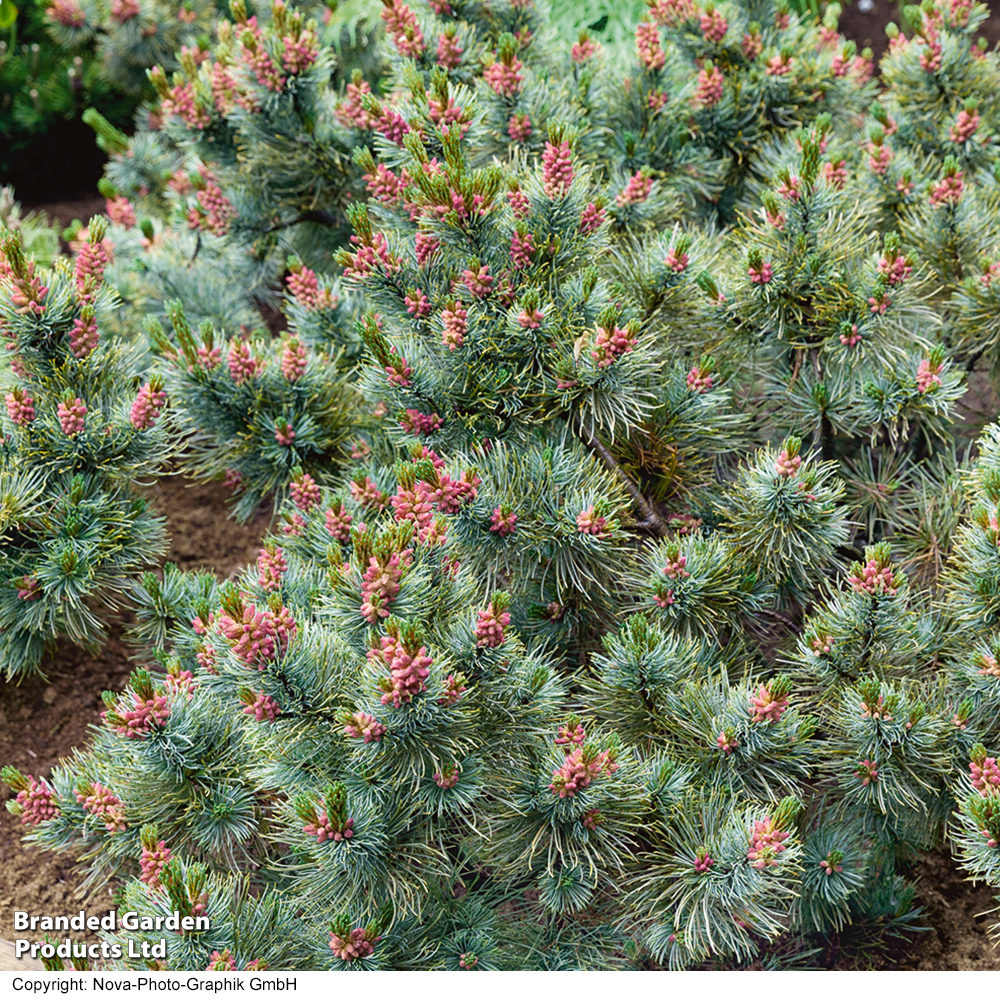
(651, 520)
(795, 370)
(779, 617)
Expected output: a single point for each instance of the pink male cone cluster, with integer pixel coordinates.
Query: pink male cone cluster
(37, 803)
(147, 407)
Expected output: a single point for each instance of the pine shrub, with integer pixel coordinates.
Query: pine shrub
(631, 596)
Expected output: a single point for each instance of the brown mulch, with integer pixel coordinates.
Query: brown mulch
(959, 917)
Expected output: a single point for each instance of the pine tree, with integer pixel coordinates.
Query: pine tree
(257, 412)
(732, 78)
(82, 427)
(623, 604)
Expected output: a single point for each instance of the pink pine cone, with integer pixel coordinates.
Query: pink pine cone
(703, 862)
(710, 87)
(948, 191)
(68, 13)
(284, 434)
(152, 862)
(985, 776)
(530, 320)
(408, 671)
(369, 495)
(221, 962)
(787, 466)
(147, 407)
(647, 43)
(413, 505)
(90, 263)
(928, 376)
(364, 727)
(592, 219)
(584, 50)
(588, 522)
(37, 803)
(420, 424)
(478, 280)
(699, 380)
(29, 293)
(454, 688)
(71, 416)
(505, 80)
(304, 285)
(965, 127)
(426, 245)
(612, 344)
(84, 336)
(417, 304)
(576, 773)
(305, 492)
(271, 565)
(356, 945)
(676, 261)
(252, 637)
(713, 25)
(521, 249)
(569, 738)
(456, 324)
(293, 360)
(490, 627)
(446, 778)
(393, 126)
(28, 588)
(351, 112)
(519, 128)
(399, 372)
(866, 773)
(120, 210)
(873, 580)
(897, 270)
(20, 407)
(338, 523)
(402, 27)
(324, 829)
(766, 842)
(293, 524)
(242, 364)
(145, 714)
(727, 744)
(519, 203)
(557, 169)
(835, 173)
(450, 494)
(381, 584)
(263, 707)
(636, 191)
(503, 524)
(449, 52)
(764, 707)
(102, 802)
